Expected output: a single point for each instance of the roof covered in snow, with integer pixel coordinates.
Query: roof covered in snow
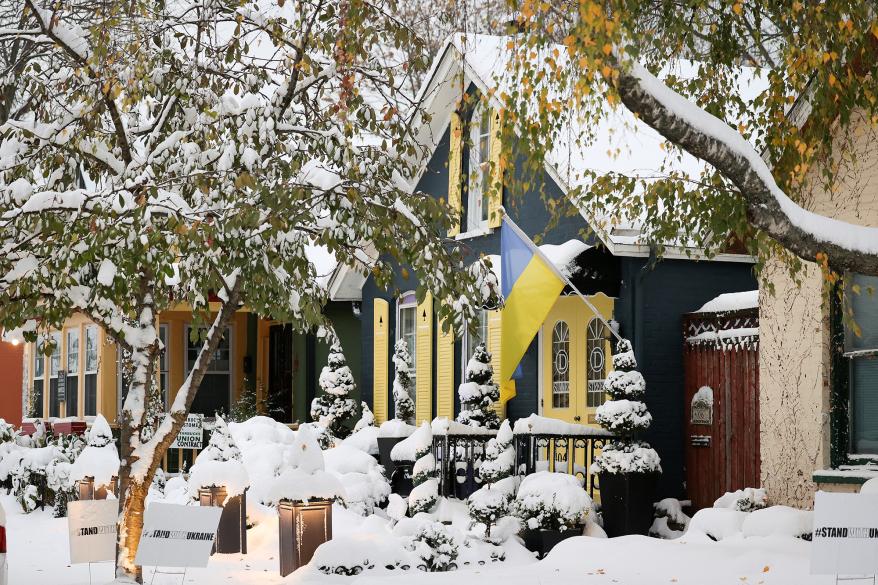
(728, 302)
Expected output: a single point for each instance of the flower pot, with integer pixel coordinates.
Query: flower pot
(401, 479)
(626, 502)
(303, 527)
(385, 446)
(541, 541)
(231, 535)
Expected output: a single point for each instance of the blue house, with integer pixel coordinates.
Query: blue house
(563, 370)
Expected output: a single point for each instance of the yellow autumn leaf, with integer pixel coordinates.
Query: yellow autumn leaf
(737, 8)
(608, 48)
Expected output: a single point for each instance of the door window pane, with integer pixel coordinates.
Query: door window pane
(595, 355)
(561, 365)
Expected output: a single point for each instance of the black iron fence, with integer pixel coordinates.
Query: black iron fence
(458, 458)
(572, 454)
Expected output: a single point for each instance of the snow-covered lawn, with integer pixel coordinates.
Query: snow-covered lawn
(38, 555)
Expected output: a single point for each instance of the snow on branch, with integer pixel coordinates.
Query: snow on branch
(807, 234)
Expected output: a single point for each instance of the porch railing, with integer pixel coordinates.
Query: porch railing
(458, 458)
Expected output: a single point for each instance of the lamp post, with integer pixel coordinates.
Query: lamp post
(303, 527)
(231, 535)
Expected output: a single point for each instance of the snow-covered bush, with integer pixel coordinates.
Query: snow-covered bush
(367, 418)
(99, 459)
(7, 432)
(626, 416)
(333, 408)
(670, 521)
(219, 464)
(478, 392)
(28, 467)
(745, 500)
(365, 485)
(351, 555)
(552, 501)
(247, 405)
(435, 547)
(305, 477)
(364, 439)
(426, 487)
(58, 480)
(403, 405)
(491, 502)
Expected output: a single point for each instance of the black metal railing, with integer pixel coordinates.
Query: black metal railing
(458, 458)
(572, 454)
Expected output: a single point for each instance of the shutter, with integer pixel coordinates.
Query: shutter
(454, 166)
(424, 361)
(494, 331)
(445, 372)
(495, 193)
(380, 360)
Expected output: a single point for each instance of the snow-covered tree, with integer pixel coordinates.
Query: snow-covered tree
(334, 408)
(247, 405)
(219, 464)
(403, 405)
(58, 471)
(367, 418)
(626, 416)
(99, 459)
(491, 502)
(436, 548)
(426, 487)
(159, 154)
(478, 393)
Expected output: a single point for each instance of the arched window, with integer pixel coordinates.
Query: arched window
(479, 156)
(561, 365)
(595, 353)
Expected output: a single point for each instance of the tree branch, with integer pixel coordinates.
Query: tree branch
(804, 233)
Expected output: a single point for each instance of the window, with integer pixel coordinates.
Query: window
(214, 394)
(407, 327)
(595, 352)
(39, 379)
(472, 339)
(54, 368)
(163, 364)
(90, 377)
(561, 365)
(479, 175)
(71, 393)
(862, 350)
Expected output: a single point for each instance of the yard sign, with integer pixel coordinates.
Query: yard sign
(845, 534)
(91, 525)
(177, 536)
(190, 436)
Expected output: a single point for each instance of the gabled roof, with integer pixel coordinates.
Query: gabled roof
(620, 143)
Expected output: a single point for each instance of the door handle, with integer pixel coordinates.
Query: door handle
(577, 418)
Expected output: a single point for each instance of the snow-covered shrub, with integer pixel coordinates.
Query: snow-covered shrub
(365, 485)
(426, 487)
(552, 501)
(717, 523)
(745, 500)
(625, 416)
(352, 555)
(159, 481)
(435, 547)
(367, 418)
(403, 405)
(333, 408)
(491, 502)
(28, 467)
(779, 521)
(478, 392)
(247, 405)
(58, 481)
(99, 459)
(305, 477)
(397, 507)
(670, 521)
(7, 432)
(364, 439)
(219, 464)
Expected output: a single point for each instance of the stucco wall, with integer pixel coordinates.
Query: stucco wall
(794, 358)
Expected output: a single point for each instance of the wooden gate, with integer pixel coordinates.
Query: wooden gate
(721, 361)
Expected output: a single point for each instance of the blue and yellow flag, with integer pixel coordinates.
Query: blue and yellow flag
(530, 286)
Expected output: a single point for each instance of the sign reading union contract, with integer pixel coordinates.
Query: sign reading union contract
(177, 536)
(191, 434)
(845, 538)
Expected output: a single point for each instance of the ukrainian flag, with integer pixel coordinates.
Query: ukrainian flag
(530, 286)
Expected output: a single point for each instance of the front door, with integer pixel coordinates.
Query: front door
(575, 352)
(279, 403)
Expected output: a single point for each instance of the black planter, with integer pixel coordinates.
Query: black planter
(626, 502)
(542, 541)
(401, 479)
(385, 446)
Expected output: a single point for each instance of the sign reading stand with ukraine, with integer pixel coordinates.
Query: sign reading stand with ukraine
(530, 286)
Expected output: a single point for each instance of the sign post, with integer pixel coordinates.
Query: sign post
(192, 433)
(845, 539)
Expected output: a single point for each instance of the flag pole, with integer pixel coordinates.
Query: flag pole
(557, 272)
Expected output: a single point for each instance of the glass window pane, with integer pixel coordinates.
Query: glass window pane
(91, 395)
(864, 382)
(407, 331)
(72, 351)
(55, 358)
(37, 399)
(864, 305)
(220, 361)
(91, 349)
(39, 359)
(560, 365)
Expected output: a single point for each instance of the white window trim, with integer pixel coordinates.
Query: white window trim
(187, 327)
(475, 134)
(412, 350)
(482, 231)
